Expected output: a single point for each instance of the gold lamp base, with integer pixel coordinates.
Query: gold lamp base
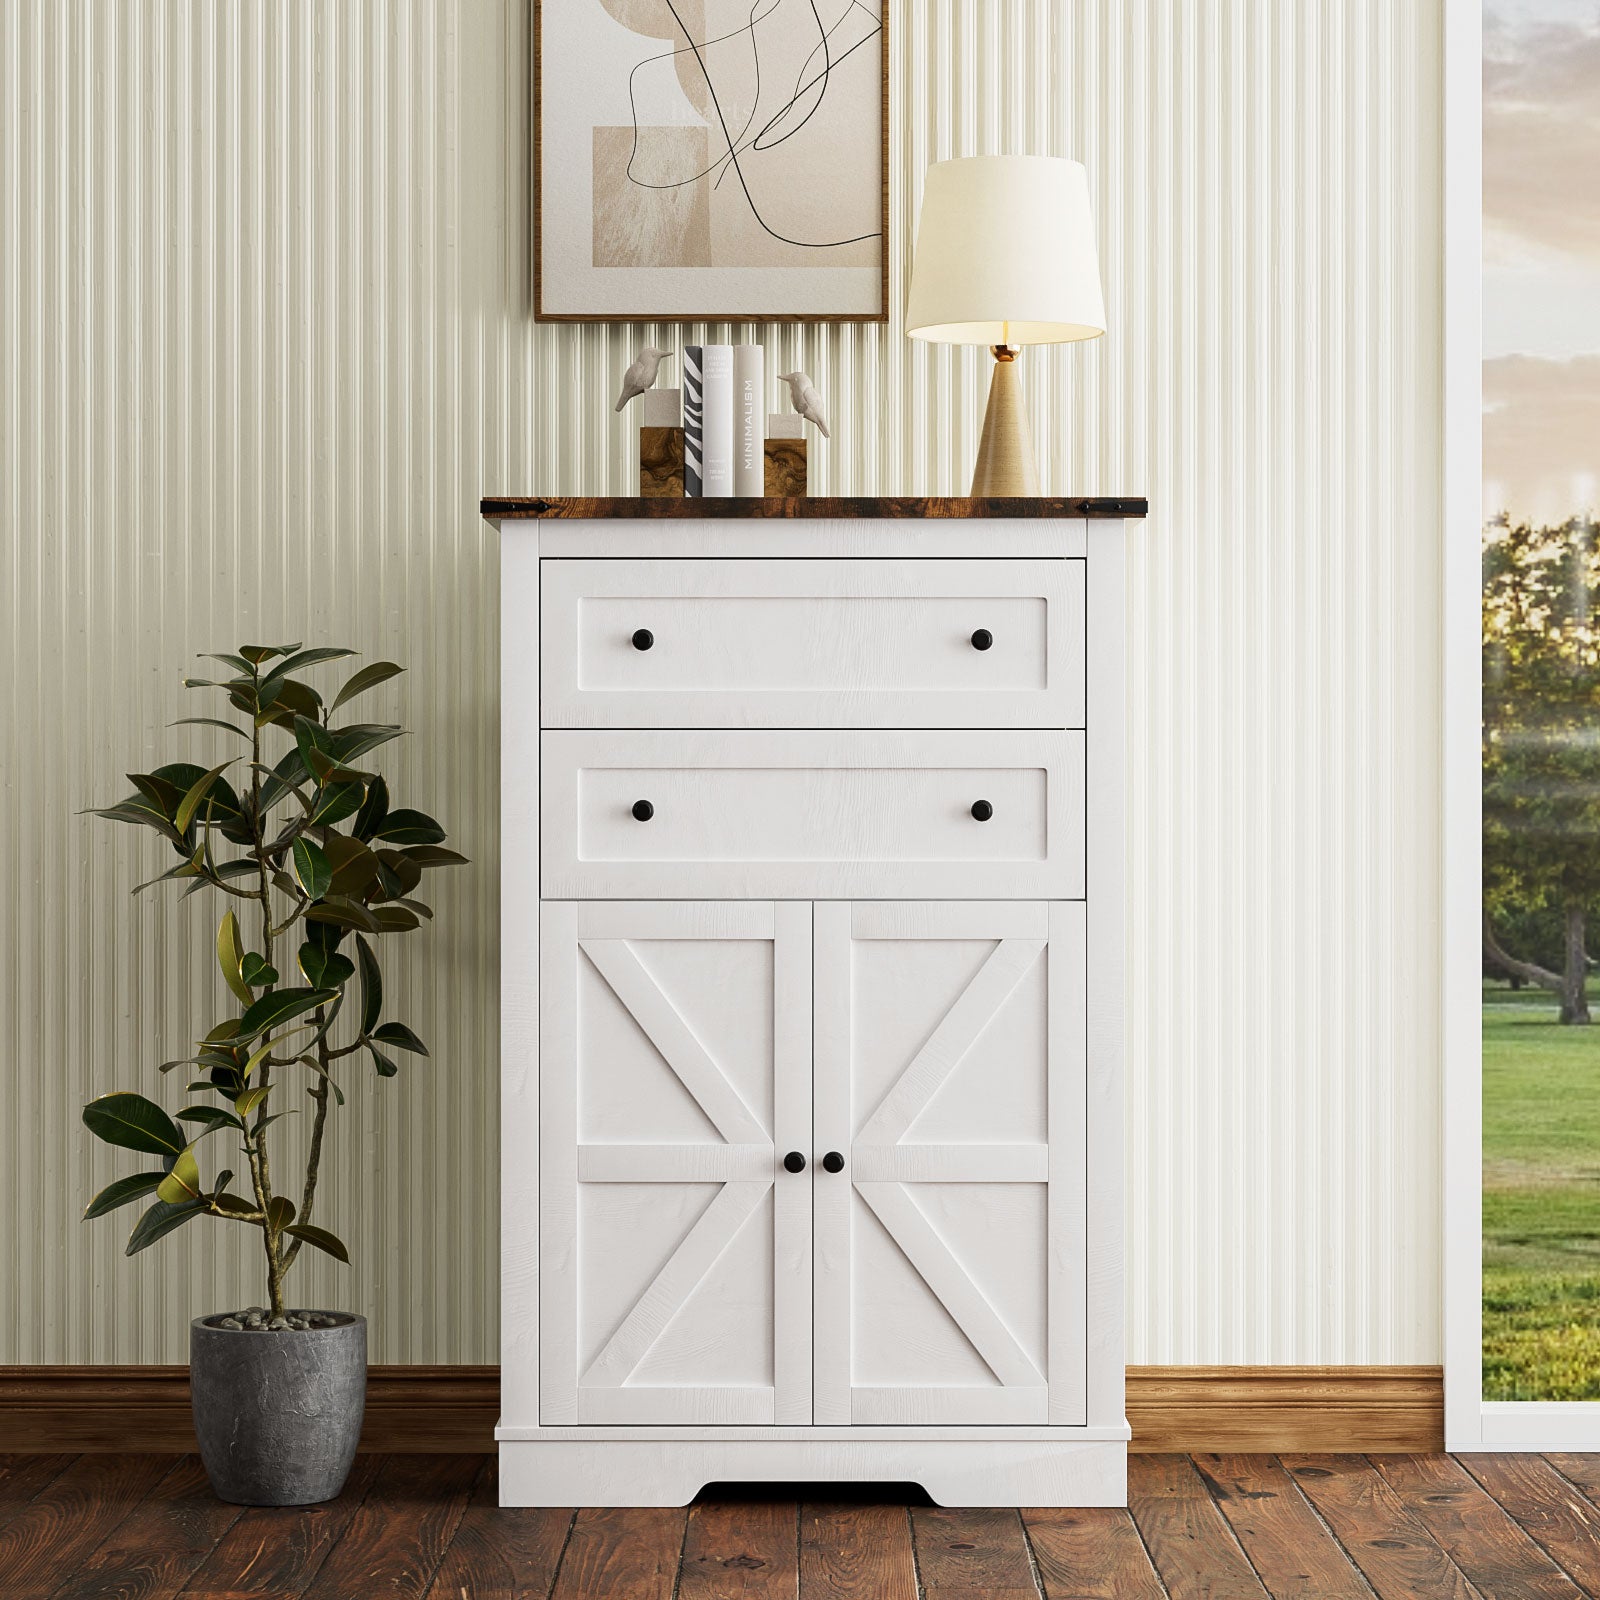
(1005, 465)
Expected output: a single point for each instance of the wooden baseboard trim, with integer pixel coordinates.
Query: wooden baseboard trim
(147, 1408)
(1194, 1410)
(1191, 1410)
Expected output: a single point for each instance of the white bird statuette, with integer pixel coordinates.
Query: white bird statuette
(641, 374)
(806, 399)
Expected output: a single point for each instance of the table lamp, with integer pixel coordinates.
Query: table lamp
(1005, 257)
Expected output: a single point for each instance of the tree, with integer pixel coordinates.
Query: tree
(1541, 746)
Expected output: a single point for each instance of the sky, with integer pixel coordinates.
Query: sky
(1541, 257)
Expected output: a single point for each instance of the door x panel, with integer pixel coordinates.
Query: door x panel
(675, 1250)
(949, 1051)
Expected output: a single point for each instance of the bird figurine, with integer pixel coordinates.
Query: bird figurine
(641, 374)
(806, 399)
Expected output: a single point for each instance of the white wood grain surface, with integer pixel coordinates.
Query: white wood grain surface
(955, 1472)
(519, 982)
(812, 644)
(811, 815)
(676, 1068)
(940, 1245)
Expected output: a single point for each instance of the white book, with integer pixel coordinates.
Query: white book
(749, 398)
(716, 444)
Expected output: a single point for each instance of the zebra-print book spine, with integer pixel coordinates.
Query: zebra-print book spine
(693, 422)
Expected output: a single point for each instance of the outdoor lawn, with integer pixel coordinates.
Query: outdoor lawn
(1541, 1200)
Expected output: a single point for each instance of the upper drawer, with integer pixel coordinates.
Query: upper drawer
(812, 816)
(812, 644)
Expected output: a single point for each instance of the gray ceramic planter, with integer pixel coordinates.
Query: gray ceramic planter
(278, 1415)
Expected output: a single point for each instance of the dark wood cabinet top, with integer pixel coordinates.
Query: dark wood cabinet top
(504, 508)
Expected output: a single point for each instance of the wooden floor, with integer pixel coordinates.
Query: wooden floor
(1219, 1527)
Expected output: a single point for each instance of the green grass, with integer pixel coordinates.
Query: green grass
(1541, 1201)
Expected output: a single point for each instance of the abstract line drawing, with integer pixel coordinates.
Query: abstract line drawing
(711, 158)
(772, 132)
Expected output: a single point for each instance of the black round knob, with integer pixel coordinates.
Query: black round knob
(833, 1162)
(982, 639)
(643, 811)
(981, 810)
(794, 1162)
(643, 639)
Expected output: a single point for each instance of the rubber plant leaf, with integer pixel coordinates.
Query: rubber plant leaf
(238, 663)
(228, 958)
(121, 1192)
(209, 722)
(336, 803)
(432, 855)
(342, 912)
(134, 1123)
(401, 1037)
(197, 793)
(395, 919)
(183, 1182)
(312, 868)
(369, 677)
(159, 1221)
(371, 986)
(250, 1099)
(256, 972)
(278, 1007)
(322, 1239)
(410, 827)
(326, 969)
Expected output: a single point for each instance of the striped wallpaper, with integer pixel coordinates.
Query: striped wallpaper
(265, 338)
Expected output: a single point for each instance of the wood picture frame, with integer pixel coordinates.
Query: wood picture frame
(558, 299)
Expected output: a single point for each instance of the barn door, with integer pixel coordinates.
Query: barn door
(675, 1249)
(949, 1079)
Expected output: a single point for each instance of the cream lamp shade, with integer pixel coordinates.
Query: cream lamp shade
(1005, 256)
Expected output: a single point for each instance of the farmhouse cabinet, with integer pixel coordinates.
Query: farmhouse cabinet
(811, 957)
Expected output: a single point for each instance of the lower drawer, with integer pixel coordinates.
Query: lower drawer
(800, 815)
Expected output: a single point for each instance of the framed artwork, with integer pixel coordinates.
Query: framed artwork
(1521, 1024)
(710, 160)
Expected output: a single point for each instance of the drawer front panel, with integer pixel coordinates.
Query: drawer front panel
(808, 815)
(812, 643)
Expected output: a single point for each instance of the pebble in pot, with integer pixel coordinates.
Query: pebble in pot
(278, 1402)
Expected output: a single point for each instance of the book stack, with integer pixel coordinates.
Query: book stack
(724, 418)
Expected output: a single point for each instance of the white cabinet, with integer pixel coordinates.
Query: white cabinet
(811, 1003)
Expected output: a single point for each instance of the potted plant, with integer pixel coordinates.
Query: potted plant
(323, 867)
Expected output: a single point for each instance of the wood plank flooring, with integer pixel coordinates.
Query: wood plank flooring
(1211, 1527)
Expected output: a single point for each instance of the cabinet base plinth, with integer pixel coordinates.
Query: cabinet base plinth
(642, 1472)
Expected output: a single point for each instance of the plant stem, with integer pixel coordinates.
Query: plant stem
(260, 1166)
(258, 1183)
(274, 1273)
(314, 1159)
